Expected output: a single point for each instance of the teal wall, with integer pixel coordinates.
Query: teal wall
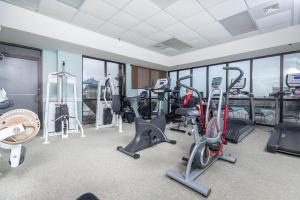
(52, 62)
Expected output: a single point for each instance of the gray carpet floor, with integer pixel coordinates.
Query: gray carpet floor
(63, 170)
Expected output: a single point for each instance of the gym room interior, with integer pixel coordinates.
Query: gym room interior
(149, 99)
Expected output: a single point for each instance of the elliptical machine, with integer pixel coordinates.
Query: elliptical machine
(150, 133)
(208, 147)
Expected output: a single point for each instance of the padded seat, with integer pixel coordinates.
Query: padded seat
(189, 112)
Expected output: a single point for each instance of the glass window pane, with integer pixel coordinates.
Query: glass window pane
(291, 65)
(243, 65)
(291, 104)
(265, 111)
(173, 77)
(266, 80)
(218, 71)
(113, 70)
(92, 73)
(266, 76)
(183, 73)
(199, 79)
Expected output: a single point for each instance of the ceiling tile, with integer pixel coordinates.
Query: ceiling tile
(28, 4)
(145, 42)
(161, 20)
(210, 3)
(188, 36)
(163, 3)
(169, 51)
(276, 27)
(98, 8)
(144, 29)
(246, 35)
(57, 10)
(87, 21)
(74, 3)
(199, 43)
(252, 3)
(159, 36)
(111, 30)
(215, 32)
(130, 37)
(124, 20)
(141, 9)
(276, 19)
(199, 20)
(228, 8)
(176, 29)
(118, 3)
(183, 9)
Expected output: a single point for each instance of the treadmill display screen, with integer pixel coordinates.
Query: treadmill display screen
(293, 80)
(297, 77)
(240, 84)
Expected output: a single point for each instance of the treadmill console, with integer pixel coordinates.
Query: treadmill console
(293, 80)
(216, 82)
(161, 85)
(240, 84)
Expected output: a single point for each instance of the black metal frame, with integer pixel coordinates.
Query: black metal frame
(251, 59)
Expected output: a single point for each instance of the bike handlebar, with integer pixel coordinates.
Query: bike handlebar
(178, 83)
(237, 79)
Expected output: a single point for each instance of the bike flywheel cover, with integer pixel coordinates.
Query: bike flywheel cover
(27, 118)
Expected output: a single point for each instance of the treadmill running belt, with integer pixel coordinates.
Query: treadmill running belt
(237, 130)
(290, 141)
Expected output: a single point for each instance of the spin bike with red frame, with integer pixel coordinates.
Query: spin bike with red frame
(208, 146)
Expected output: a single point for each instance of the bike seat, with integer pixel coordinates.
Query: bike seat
(189, 112)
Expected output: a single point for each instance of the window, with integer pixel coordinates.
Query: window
(173, 77)
(218, 71)
(183, 73)
(291, 105)
(93, 71)
(199, 79)
(245, 67)
(291, 65)
(266, 80)
(266, 76)
(113, 70)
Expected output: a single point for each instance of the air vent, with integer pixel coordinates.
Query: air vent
(176, 44)
(239, 24)
(271, 9)
(159, 46)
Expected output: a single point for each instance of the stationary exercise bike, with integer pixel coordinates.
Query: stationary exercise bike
(150, 133)
(208, 147)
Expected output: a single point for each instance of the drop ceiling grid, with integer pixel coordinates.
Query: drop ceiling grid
(148, 29)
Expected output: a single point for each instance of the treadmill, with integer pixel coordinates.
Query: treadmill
(238, 128)
(286, 135)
